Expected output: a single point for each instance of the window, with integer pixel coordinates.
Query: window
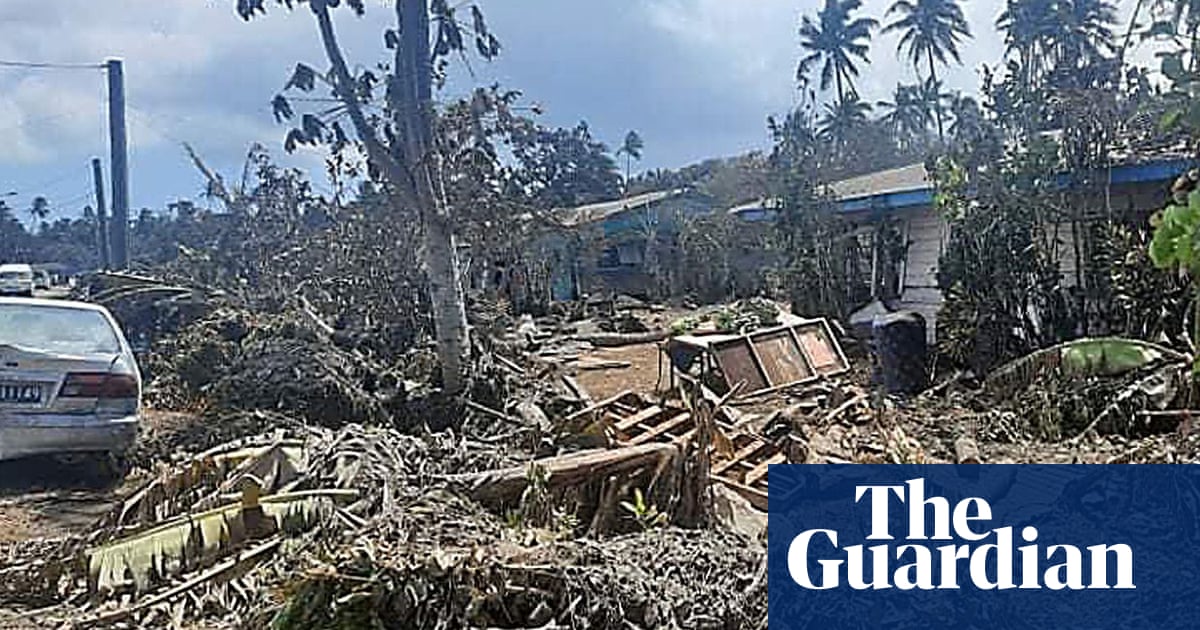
(57, 329)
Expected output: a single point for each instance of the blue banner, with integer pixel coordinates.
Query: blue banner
(984, 546)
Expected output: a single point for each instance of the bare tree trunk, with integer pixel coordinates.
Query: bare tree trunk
(410, 167)
(446, 292)
(412, 96)
(937, 105)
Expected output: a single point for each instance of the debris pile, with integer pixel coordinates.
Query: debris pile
(307, 479)
(323, 528)
(234, 359)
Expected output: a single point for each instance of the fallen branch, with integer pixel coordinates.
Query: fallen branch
(616, 340)
(576, 388)
(506, 485)
(843, 408)
(488, 411)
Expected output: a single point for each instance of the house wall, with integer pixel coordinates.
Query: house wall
(927, 233)
(639, 236)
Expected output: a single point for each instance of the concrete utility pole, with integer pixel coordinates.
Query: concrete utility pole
(101, 216)
(119, 238)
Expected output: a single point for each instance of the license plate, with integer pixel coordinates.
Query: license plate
(20, 393)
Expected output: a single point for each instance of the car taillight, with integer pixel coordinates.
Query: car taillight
(99, 385)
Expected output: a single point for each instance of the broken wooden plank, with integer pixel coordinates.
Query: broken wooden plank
(599, 405)
(843, 408)
(595, 363)
(471, 404)
(504, 486)
(576, 389)
(756, 497)
(642, 416)
(508, 363)
(662, 429)
(760, 471)
(741, 455)
(616, 340)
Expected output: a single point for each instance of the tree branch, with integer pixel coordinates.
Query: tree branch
(342, 85)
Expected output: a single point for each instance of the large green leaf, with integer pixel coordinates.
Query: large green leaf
(1084, 358)
(1175, 235)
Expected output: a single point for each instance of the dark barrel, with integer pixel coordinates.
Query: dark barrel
(901, 352)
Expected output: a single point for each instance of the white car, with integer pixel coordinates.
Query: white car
(41, 280)
(16, 280)
(69, 382)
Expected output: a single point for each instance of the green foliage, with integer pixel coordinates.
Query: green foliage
(930, 29)
(647, 516)
(1004, 295)
(1175, 244)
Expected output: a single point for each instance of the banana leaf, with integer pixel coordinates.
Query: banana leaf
(1082, 358)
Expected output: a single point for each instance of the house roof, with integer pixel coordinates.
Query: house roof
(910, 186)
(599, 211)
(760, 205)
(896, 180)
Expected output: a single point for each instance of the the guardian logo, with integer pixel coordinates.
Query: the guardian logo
(975, 554)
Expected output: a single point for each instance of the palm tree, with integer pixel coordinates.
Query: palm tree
(40, 209)
(935, 101)
(966, 118)
(932, 30)
(906, 114)
(1029, 27)
(632, 149)
(842, 119)
(833, 41)
(1085, 33)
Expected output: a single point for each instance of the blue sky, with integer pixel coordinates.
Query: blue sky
(696, 78)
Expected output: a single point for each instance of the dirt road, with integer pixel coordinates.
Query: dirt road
(46, 497)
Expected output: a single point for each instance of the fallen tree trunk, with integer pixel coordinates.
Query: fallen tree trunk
(615, 340)
(506, 485)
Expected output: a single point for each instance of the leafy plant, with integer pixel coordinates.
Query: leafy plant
(647, 516)
(1174, 244)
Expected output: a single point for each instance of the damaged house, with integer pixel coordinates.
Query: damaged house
(619, 246)
(904, 198)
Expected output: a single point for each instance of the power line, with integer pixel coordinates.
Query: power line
(54, 66)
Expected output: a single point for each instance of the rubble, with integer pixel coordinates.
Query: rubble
(295, 477)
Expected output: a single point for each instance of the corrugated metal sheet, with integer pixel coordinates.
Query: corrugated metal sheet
(599, 211)
(904, 179)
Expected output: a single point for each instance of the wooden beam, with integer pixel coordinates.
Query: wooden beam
(662, 429)
(505, 486)
(760, 470)
(632, 421)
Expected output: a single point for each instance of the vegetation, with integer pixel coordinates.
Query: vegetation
(1064, 103)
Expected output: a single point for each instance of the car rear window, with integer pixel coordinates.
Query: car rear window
(57, 329)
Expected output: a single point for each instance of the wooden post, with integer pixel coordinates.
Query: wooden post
(119, 238)
(101, 217)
